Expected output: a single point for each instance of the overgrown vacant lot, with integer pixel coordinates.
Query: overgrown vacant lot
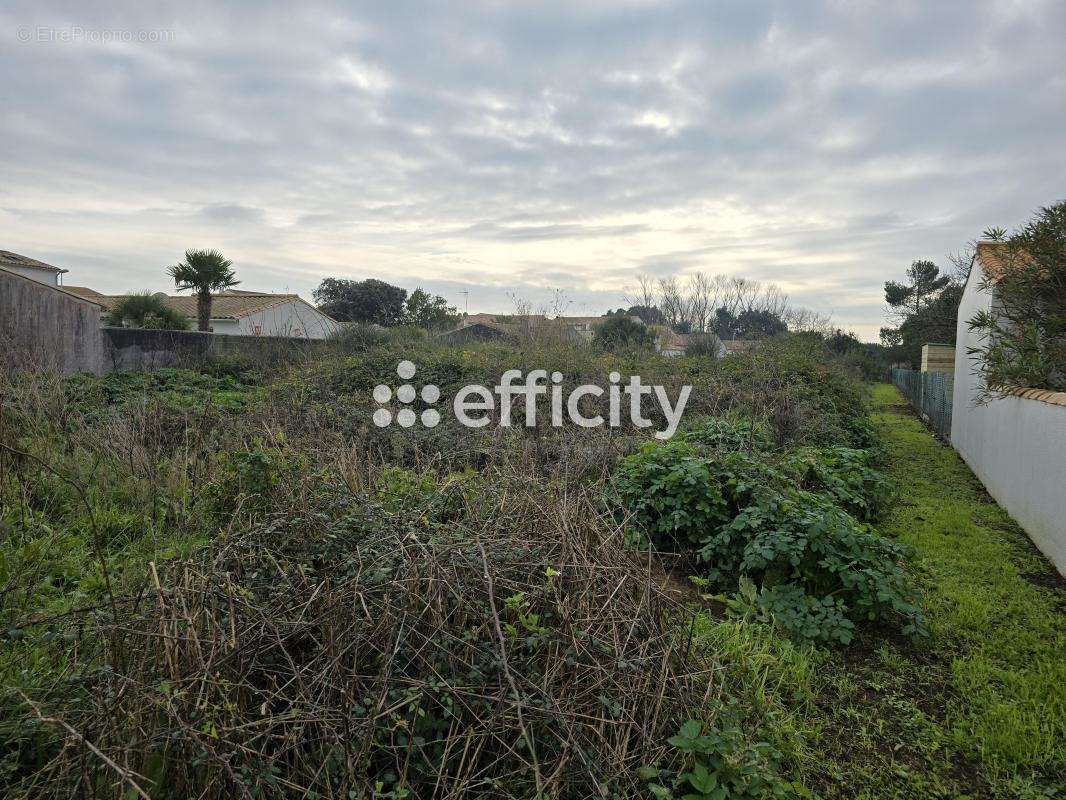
(229, 583)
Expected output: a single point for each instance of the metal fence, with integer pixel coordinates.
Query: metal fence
(930, 394)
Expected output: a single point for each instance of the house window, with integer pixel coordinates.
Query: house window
(258, 329)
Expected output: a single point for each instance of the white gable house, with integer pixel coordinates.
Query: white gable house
(31, 268)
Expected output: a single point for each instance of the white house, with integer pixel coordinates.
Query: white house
(31, 268)
(1016, 445)
(242, 313)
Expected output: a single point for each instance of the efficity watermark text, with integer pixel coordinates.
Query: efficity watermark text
(475, 405)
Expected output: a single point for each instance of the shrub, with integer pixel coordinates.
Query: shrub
(703, 345)
(620, 333)
(1024, 336)
(730, 431)
(145, 310)
(675, 496)
(845, 474)
(357, 337)
(353, 652)
(817, 569)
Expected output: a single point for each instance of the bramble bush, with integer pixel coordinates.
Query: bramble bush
(846, 474)
(819, 569)
(788, 524)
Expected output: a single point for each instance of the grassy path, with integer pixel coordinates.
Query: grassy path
(978, 709)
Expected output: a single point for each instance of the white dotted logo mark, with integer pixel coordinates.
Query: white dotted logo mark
(406, 395)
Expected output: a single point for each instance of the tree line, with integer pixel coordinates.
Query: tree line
(727, 306)
(374, 302)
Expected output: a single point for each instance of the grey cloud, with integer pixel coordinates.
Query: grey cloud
(232, 213)
(491, 230)
(820, 143)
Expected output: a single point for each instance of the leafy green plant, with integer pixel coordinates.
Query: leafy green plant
(675, 496)
(844, 473)
(730, 431)
(818, 570)
(717, 763)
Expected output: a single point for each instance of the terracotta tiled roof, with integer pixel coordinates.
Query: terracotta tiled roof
(1043, 395)
(228, 305)
(739, 345)
(996, 258)
(9, 259)
(61, 289)
(84, 291)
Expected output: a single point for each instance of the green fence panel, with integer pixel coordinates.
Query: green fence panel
(930, 394)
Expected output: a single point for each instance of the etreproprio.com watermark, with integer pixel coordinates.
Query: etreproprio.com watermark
(475, 406)
(70, 34)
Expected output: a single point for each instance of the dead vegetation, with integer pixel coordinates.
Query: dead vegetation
(498, 644)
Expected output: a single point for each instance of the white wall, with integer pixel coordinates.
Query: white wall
(1016, 446)
(46, 276)
(294, 318)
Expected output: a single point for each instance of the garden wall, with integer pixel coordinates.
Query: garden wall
(1016, 445)
(142, 349)
(45, 327)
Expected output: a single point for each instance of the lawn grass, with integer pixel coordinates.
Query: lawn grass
(975, 710)
(979, 708)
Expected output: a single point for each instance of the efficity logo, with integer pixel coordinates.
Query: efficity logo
(475, 406)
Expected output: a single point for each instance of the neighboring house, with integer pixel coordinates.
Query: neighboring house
(583, 329)
(739, 345)
(668, 343)
(244, 313)
(986, 265)
(672, 344)
(579, 330)
(31, 268)
(481, 331)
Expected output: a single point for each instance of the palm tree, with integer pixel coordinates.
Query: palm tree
(203, 271)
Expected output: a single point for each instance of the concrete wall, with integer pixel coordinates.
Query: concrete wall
(141, 349)
(1015, 445)
(44, 327)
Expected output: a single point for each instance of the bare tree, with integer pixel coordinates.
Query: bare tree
(672, 301)
(645, 294)
(772, 299)
(700, 297)
(800, 320)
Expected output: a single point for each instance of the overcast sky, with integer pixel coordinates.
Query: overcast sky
(520, 148)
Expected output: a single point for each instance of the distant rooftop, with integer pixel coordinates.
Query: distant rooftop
(9, 259)
(232, 304)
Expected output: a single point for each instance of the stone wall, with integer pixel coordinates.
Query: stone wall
(44, 327)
